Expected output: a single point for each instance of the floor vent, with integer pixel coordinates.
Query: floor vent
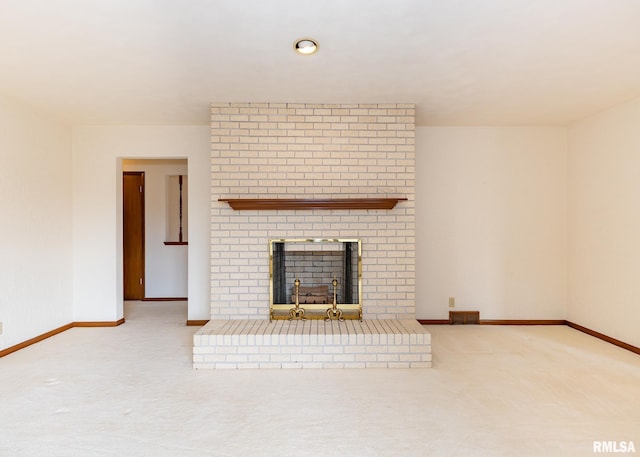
(464, 317)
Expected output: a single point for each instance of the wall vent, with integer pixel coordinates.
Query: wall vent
(464, 317)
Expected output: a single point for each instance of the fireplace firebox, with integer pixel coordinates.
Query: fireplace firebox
(315, 279)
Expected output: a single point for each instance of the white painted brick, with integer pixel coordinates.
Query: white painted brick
(344, 357)
(280, 358)
(333, 349)
(248, 366)
(387, 357)
(258, 357)
(302, 358)
(237, 358)
(398, 349)
(218, 329)
(232, 172)
(323, 357)
(225, 366)
(399, 365)
(376, 365)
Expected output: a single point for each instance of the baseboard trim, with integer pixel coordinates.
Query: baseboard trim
(522, 322)
(56, 331)
(604, 337)
(165, 299)
(498, 321)
(35, 340)
(588, 331)
(433, 321)
(99, 323)
(198, 323)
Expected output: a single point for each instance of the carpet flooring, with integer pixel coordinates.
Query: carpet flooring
(493, 391)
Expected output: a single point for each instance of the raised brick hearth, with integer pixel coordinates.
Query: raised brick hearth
(383, 343)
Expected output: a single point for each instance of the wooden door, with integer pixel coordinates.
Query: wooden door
(133, 234)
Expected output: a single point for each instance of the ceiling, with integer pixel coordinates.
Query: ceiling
(462, 62)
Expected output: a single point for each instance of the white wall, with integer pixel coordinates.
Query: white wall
(35, 224)
(604, 223)
(166, 267)
(490, 205)
(97, 218)
(491, 221)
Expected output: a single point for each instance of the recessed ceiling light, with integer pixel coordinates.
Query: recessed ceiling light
(306, 46)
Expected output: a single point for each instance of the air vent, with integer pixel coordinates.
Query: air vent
(464, 317)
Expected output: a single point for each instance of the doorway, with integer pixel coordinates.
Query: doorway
(133, 238)
(160, 270)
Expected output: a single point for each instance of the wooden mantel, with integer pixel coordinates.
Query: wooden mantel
(240, 204)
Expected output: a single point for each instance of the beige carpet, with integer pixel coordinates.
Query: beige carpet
(493, 391)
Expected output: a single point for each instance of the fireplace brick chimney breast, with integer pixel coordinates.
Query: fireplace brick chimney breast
(297, 150)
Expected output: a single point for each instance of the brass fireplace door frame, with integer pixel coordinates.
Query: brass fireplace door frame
(314, 310)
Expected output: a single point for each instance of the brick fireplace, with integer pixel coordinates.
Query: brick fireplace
(290, 150)
(310, 151)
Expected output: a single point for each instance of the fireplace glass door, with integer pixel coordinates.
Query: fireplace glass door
(315, 279)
